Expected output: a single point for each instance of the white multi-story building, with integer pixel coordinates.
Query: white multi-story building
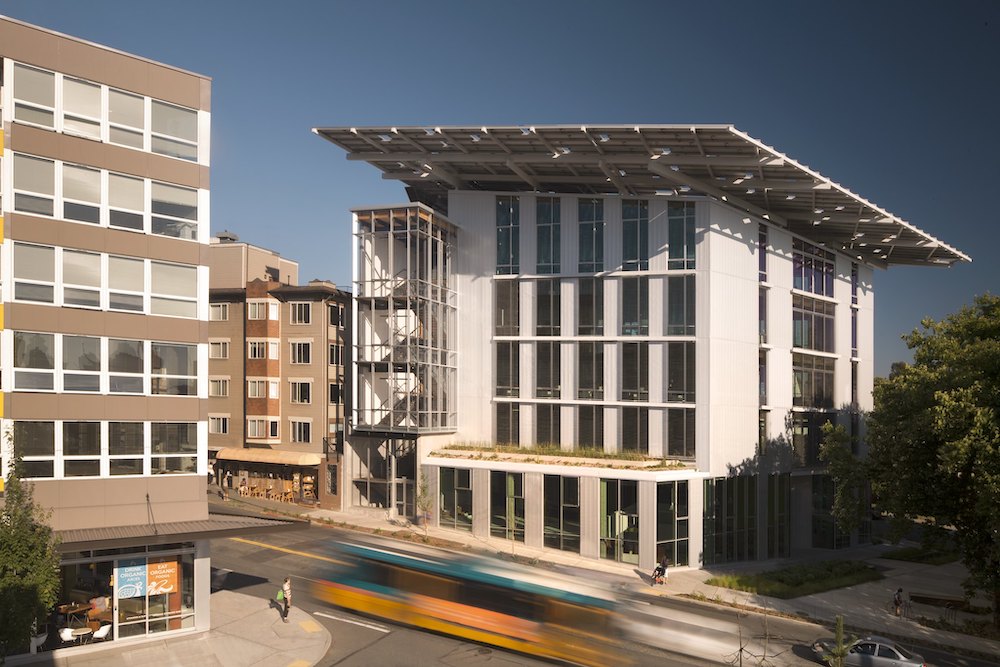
(683, 303)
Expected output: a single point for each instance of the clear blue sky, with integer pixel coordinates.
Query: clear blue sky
(897, 101)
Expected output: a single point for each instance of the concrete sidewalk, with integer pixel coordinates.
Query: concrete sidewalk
(865, 607)
(246, 631)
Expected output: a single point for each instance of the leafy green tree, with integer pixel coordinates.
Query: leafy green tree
(29, 565)
(849, 477)
(934, 437)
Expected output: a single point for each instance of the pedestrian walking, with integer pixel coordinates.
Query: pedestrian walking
(286, 598)
(897, 601)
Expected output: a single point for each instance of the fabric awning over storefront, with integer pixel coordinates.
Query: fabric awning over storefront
(268, 456)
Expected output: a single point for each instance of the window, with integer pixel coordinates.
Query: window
(34, 96)
(175, 211)
(812, 381)
(730, 519)
(807, 434)
(126, 364)
(301, 313)
(262, 389)
(680, 433)
(174, 131)
(762, 314)
(508, 424)
(590, 372)
(590, 307)
(762, 253)
(301, 353)
(175, 369)
(272, 350)
(257, 310)
(456, 498)
(81, 194)
(854, 283)
(126, 202)
(812, 268)
(301, 392)
(635, 235)
(218, 349)
(672, 522)
(561, 511)
(218, 312)
(635, 371)
(35, 353)
(506, 307)
(126, 119)
(218, 425)
(762, 376)
(336, 354)
(590, 427)
(81, 279)
(257, 349)
(680, 372)
(508, 235)
(174, 448)
(126, 447)
(81, 449)
(35, 442)
(680, 235)
(301, 430)
(547, 425)
(126, 283)
(547, 218)
(590, 213)
(508, 368)
(34, 185)
(81, 363)
(547, 307)
(218, 387)
(336, 314)
(34, 273)
(174, 290)
(635, 430)
(547, 370)
(680, 306)
(262, 428)
(336, 393)
(854, 332)
(812, 323)
(635, 306)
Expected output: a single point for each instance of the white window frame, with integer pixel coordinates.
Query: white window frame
(218, 312)
(295, 391)
(296, 347)
(218, 348)
(300, 312)
(256, 349)
(218, 424)
(218, 386)
(300, 430)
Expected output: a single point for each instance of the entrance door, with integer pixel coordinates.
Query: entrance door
(620, 520)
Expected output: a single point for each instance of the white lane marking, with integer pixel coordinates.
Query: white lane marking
(371, 626)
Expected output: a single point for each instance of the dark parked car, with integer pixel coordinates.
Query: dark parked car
(871, 652)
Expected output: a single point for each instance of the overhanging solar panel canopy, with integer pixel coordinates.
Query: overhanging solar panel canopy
(716, 161)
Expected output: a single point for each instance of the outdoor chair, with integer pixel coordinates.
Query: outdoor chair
(101, 633)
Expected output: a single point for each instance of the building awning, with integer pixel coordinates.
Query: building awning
(273, 456)
(217, 525)
(716, 161)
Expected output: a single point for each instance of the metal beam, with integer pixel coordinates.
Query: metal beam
(524, 175)
(680, 178)
(612, 173)
(571, 158)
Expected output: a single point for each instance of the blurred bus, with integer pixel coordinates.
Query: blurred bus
(478, 599)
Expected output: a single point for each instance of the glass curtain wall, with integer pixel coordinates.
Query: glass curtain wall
(456, 498)
(672, 522)
(730, 519)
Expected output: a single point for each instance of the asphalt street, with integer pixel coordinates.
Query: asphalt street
(662, 631)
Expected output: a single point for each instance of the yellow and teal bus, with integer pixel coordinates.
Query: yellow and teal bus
(478, 599)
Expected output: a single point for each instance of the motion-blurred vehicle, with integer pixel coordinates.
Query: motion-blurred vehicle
(482, 600)
(870, 652)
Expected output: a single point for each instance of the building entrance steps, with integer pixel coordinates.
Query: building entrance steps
(864, 607)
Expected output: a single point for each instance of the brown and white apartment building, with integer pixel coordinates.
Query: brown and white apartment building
(104, 184)
(276, 376)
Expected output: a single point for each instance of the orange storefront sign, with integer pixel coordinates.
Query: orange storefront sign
(161, 577)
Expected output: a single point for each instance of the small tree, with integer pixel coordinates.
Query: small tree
(837, 656)
(29, 564)
(425, 502)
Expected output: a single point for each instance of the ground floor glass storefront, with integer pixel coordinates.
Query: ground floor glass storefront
(132, 592)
